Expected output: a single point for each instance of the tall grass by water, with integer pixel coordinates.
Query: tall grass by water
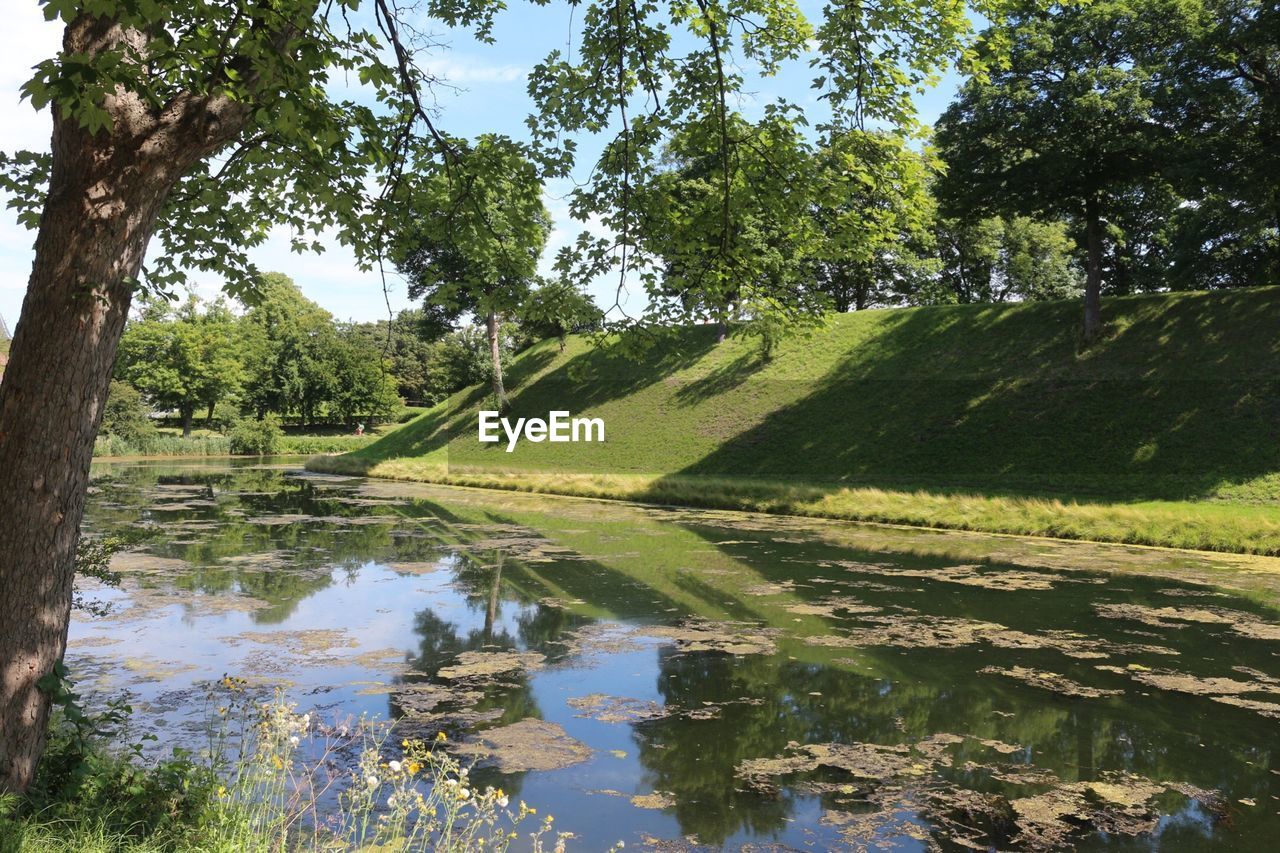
(269, 779)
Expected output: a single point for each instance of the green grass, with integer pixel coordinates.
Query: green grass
(202, 442)
(976, 417)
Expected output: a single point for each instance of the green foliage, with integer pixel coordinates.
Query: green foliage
(471, 245)
(556, 309)
(79, 779)
(126, 415)
(999, 259)
(256, 437)
(290, 343)
(873, 214)
(186, 360)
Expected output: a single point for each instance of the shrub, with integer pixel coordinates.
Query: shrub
(256, 437)
(126, 415)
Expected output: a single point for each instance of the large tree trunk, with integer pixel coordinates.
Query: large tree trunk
(105, 195)
(1093, 272)
(188, 414)
(495, 353)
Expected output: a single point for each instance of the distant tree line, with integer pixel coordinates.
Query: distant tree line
(286, 356)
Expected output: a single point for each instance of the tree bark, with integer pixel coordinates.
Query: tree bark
(188, 414)
(1093, 272)
(106, 192)
(495, 353)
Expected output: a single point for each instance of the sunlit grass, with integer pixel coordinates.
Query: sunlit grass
(1177, 524)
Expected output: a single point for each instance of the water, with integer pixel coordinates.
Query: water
(719, 679)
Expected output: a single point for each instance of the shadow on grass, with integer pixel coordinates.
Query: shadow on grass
(1180, 398)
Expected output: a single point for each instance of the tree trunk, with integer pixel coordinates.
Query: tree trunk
(495, 353)
(105, 195)
(188, 413)
(208, 416)
(1093, 273)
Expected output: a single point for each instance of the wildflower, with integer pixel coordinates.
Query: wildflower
(414, 767)
(222, 790)
(441, 737)
(293, 741)
(405, 743)
(371, 781)
(391, 801)
(276, 762)
(395, 766)
(502, 802)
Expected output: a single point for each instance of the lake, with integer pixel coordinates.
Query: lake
(711, 680)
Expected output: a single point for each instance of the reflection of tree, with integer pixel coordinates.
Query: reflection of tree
(213, 520)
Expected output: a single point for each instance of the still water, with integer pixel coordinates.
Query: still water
(709, 680)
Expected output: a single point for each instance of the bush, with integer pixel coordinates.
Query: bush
(250, 437)
(126, 415)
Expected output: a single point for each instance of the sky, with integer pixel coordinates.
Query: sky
(486, 94)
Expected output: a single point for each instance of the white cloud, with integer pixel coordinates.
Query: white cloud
(460, 70)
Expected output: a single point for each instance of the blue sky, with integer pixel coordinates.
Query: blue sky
(486, 93)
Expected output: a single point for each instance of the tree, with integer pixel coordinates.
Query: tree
(185, 361)
(1219, 91)
(874, 216)
(144, 95)
(556, 309)
(471, 245)
(998, 259)
(721, 238)
(290, 350)
(363, 384)
(1065, 129)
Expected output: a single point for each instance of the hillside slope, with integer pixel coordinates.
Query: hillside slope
(1180, 402)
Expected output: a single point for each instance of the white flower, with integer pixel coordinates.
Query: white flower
(451, 783)
(306, 720)
(391, 801)
(464, 793)
(463, 772)
(294, 740)
(502, 802)
(394, 765)
(371, 781)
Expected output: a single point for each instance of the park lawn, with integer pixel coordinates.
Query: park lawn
(992, 418)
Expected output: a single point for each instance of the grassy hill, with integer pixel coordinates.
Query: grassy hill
(987, 417)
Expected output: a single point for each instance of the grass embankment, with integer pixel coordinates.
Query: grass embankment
(987, 418)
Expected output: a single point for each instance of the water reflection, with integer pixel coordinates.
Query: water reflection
(735, 654)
